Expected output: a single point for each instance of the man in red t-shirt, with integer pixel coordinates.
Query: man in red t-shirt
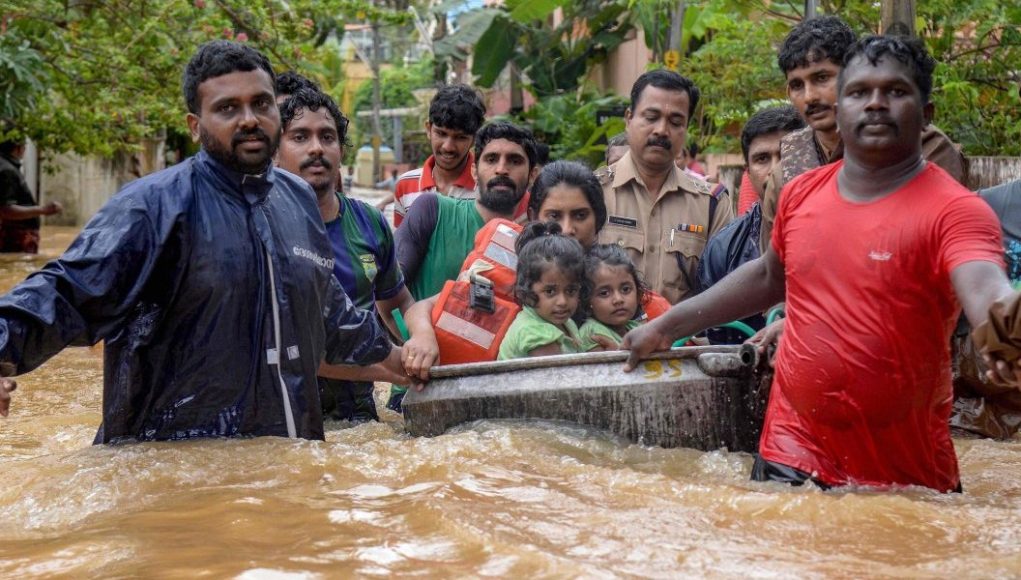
(873, 255)
(455, 115)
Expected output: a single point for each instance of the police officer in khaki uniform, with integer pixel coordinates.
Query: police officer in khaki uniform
(662, 215)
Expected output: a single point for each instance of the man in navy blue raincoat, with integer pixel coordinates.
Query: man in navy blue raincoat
(211, 283)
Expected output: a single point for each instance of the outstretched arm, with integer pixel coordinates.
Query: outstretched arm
(978, 285)
(421, 351)
(751, 288)
(27, 212)
(86, 294)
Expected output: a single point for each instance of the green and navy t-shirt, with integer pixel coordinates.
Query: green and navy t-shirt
(363, 250)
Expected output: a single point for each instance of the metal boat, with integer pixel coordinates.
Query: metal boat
(703, 397)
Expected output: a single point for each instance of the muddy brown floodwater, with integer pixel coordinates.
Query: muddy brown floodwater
(494, 499)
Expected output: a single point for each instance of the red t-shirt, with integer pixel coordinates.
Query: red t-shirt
(862, 391)
(748, 196)
(414, 183)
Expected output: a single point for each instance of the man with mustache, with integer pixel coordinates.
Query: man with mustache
(662, 215)
(455, 114)
(811, 58)
(211, 283)
(365, 261)
(875, 254)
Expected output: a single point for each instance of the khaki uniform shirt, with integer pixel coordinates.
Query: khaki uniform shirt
(801, 152)
(664, 236)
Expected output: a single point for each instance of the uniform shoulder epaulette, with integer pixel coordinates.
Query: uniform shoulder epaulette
(695, 185)
(604, 175)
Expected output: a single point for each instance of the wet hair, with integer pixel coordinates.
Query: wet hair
(666, 80)
(541, 153)
(458, 107)
(540, 246)
(908, 50)
(512, 133)
(612, 255)
(767, 122)
(290, 82)
(218, 58)
(573, 174)
(813, 40)
(312, 100)
(7, 147)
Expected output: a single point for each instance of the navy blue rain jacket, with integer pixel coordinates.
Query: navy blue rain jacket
(731, 247)
(214, 292)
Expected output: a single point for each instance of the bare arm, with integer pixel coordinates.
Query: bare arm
(387, 200)
(27, 212)
(978, 285)
(751, 288)
(389, 370)
(421, 351)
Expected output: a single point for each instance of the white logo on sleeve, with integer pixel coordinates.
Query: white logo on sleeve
(880, 256)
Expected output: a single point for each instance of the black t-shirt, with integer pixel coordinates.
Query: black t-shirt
(14, 191)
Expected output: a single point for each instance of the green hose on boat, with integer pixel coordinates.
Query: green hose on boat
(402, 326)
(775, 313)
(736, 325)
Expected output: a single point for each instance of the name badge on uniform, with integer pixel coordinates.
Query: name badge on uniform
(626, 222)
(369, 266)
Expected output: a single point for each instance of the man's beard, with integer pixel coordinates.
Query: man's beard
(499, 201)
(229, 157)
(325, 184)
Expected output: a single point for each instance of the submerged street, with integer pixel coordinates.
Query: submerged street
(492, 499)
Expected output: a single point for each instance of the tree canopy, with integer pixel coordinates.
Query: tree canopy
(97, 77)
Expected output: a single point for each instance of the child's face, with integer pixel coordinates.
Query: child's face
(557, 296)
(614, 296)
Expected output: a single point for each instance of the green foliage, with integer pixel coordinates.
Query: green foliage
(551, 59)
(730, 52)
(567, 123)
(113, 68)
(735, 71)
(977, 44)
(397, 86)
(21, 77)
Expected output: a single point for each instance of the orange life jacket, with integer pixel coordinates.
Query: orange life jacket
(474, 312)
(654, 305)
(493, 256)
(466, 330)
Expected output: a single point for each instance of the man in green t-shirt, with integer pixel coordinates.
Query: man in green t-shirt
(438, 232)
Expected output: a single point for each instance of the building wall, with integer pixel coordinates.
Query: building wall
(83, 184)
(624, 65)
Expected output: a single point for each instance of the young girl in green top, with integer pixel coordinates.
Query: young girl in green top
(616, 290)
(550, 283)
